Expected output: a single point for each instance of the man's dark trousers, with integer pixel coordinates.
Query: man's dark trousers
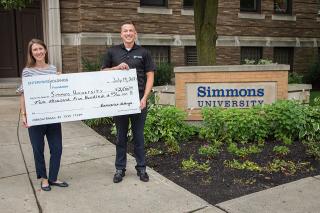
(137, 126)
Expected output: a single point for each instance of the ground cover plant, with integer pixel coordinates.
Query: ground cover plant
(233, 152)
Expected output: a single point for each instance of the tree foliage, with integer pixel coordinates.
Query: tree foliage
(14, 4)
(205, 20)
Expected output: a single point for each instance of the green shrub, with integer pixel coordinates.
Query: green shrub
(166, 123)
(209, 150)
(316, 101)
(260, 61)
(246, 165)
(312, 148)
(281, 150)
(285, 119)
(154, 152)
(193, 166)
(265, 61)
(238, 125)
(295, 78)
(313, 74)
(310, 134)
(91, 65)
(98, 121)
(213, 128)
(17, 4)
(286, 167)
(243, 151)
(163, 74)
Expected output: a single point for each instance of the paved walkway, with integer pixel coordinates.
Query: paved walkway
(88, 166)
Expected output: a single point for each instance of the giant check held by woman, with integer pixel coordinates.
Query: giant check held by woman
(80, 96)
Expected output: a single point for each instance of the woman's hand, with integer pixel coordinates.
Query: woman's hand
(24, 120)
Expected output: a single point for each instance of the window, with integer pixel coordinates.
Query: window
(188, 4)
(250, 53)
(282, 6)
(160, 54)
(250, 5)
(283, 55)
(158, 3)
(191, 58)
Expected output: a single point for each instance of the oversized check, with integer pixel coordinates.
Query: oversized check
(79, 96)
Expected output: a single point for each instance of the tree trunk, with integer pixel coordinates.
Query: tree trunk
(205, 20)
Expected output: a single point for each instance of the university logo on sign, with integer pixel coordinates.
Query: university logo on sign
(227, 95)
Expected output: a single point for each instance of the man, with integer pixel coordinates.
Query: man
(125, 56)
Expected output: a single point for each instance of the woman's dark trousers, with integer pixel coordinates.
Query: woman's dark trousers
(54, 138)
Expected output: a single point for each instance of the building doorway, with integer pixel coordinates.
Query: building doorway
(17, 27)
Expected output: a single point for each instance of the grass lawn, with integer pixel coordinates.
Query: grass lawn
(314, 94)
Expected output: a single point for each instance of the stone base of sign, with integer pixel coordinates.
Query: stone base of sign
(300, 92)
(164, 95)
(239, 74)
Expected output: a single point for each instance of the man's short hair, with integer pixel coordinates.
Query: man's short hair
(128, 22)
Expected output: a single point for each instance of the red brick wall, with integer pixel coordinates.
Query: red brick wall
(70, 59)
(267, 53)
(228, 55)
(177, 56)
(105, 16)
(92, 53)
(303, 58)
(305, 26)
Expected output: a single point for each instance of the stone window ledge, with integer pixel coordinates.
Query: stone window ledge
(251, 15)
(187, 12)
(154, 10)
(283, 17)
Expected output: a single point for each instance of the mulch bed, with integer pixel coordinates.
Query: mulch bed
(220, 183)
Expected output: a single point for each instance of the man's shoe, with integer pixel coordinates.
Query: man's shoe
(143, 175)
(120, 173)
(62, 184)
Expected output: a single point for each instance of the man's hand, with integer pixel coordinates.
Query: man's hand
(143, 103)
(122, 66)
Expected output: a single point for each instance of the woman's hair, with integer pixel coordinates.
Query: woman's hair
(31, 61)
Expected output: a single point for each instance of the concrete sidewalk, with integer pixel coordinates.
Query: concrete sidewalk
(88, 166)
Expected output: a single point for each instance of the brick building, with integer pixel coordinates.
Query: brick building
(285, 31)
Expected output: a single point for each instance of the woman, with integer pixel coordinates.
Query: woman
(37, 64)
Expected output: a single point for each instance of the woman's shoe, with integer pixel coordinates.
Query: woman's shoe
(62, 184)
(45, 188)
